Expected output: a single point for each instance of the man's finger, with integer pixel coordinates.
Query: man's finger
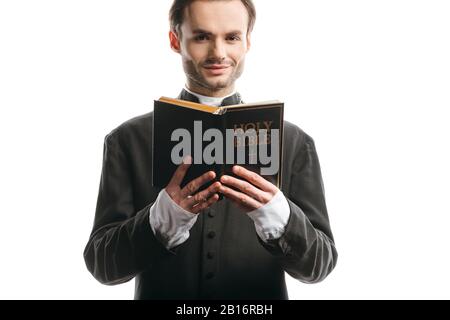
(204, 205)
(179, 174)
(202, 196)
(240, 198)
(255, 179)
(247, 188)
(195, 184)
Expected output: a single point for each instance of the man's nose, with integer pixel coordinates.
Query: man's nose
(218, 49)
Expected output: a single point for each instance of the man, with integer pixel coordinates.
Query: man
(183, 244)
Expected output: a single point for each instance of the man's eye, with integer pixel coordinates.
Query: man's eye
(234, 38)
(201, 37)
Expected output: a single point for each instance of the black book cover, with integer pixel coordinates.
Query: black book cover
(171, 115)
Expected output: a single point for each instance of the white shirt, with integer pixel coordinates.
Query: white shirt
(171, 223)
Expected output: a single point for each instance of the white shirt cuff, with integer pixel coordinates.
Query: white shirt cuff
(271, 219)
(170, 223)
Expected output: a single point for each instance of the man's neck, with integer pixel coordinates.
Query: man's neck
(208, 100)
(219, 93)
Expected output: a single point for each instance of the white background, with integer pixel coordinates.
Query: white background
(368, 80)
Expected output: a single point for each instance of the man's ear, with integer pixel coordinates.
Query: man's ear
(174, 41)
(249, 41)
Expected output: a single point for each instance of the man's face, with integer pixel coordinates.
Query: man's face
(213, 44)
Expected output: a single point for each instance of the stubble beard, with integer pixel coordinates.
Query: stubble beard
(193, 73)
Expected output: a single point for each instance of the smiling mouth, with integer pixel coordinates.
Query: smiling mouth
(216, 66)
(216, 69)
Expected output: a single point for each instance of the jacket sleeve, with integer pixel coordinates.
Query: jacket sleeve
(122, 243)
(306, 249)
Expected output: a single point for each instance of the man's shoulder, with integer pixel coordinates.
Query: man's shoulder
(137, 123)
(138, 126)
(294, 135)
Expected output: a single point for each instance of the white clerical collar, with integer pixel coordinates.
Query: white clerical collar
(210, 101)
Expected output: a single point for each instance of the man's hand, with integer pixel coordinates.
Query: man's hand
(185, 197)
(251, 197)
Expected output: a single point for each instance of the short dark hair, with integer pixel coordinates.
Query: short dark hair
(176, 14)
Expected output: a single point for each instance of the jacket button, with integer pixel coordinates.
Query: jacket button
(211, 214)
(210, 255)
(209, 275)
(211, 234)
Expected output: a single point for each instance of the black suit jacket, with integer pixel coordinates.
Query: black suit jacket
(223, 258)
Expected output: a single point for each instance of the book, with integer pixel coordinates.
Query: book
(217, 138)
